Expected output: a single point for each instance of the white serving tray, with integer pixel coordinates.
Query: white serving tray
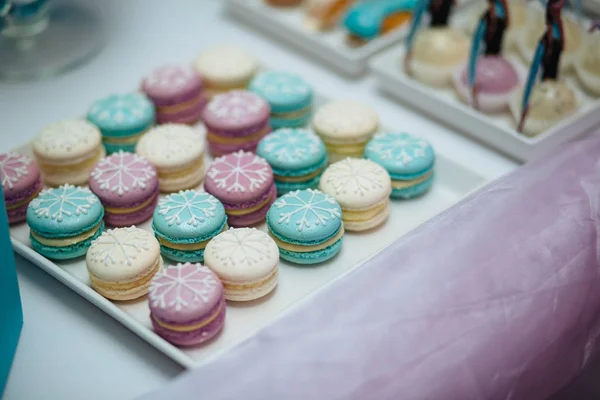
(288, 23)
(453, 182)
(497, 131)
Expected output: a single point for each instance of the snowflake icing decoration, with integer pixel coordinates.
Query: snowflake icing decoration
(240, 171)
(236, 105)
(356, 176)
(182, 285)
(123, 172)
(64, 201)
(319, 209)
(188, 207)
(290, 144)
(121, 109)
(13, 166)
(243, 247)
(399, 147)
(170, 77)
(119, 246)
(279, 83)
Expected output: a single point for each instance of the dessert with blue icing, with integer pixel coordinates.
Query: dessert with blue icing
(409, 160)
(371, 19)
(289, 96)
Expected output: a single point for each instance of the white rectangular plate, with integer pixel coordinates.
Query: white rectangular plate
(453, 182)
(288, 23)
(497, 131)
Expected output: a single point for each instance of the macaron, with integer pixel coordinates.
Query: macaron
(288, 95)
(184, 222)
(409, 160)
(66, 151)
(298, 157)
(127, 186)
(21, 183)
(307, 226)
(122, 262)
(496, 79)
(64, 221)
(362, 188)
(550, 102)
(345, 127)
(122, 119)
(187, 304)
(177, 152)
(246, 261)
(177, 93)
(224, 68)
(244, 183)
(437, 54)
(237, 120)
(369, 20)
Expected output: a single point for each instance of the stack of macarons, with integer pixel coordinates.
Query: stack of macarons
(362, 188)
(66, 151)
(224, 68)
(21, 183)
(288, 95)
(306, 226)
(409, 160)
(298, 157)
(246, 260)
(187, 304)
(184, 222)
(345, 127)
(244, 183)
(237, 120)
(127, 186)
(177, 152)
(177, 93)
(64, 221)
(122, 119)
(122, 262)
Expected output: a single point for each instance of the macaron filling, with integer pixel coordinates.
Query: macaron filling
(128, 287)
(192, 325)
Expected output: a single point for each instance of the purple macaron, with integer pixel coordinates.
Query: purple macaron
(21, 183)
(127, 186)
(495, 80)
(244, 183)
(187, 304)
(177, 93)
(236, 120)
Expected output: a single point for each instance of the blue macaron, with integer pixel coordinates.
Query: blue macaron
(184, 222)
(122, 119)
(307, 226)
(409, 160)
(298, 158)
(289, 96)
(64, 221)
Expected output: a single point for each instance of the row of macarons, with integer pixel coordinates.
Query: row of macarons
(242, 186)
(224, 88)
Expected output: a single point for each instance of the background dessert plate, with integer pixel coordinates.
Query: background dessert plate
(330, 47)
(495, 130)
(453, 181)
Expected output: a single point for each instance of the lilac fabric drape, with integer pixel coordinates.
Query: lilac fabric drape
(496, 298)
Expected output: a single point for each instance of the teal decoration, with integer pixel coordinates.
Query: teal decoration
(11, 313)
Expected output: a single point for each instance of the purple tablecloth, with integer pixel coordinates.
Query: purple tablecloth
(496, 298)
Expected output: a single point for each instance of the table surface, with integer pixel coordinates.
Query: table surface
(68, 348)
